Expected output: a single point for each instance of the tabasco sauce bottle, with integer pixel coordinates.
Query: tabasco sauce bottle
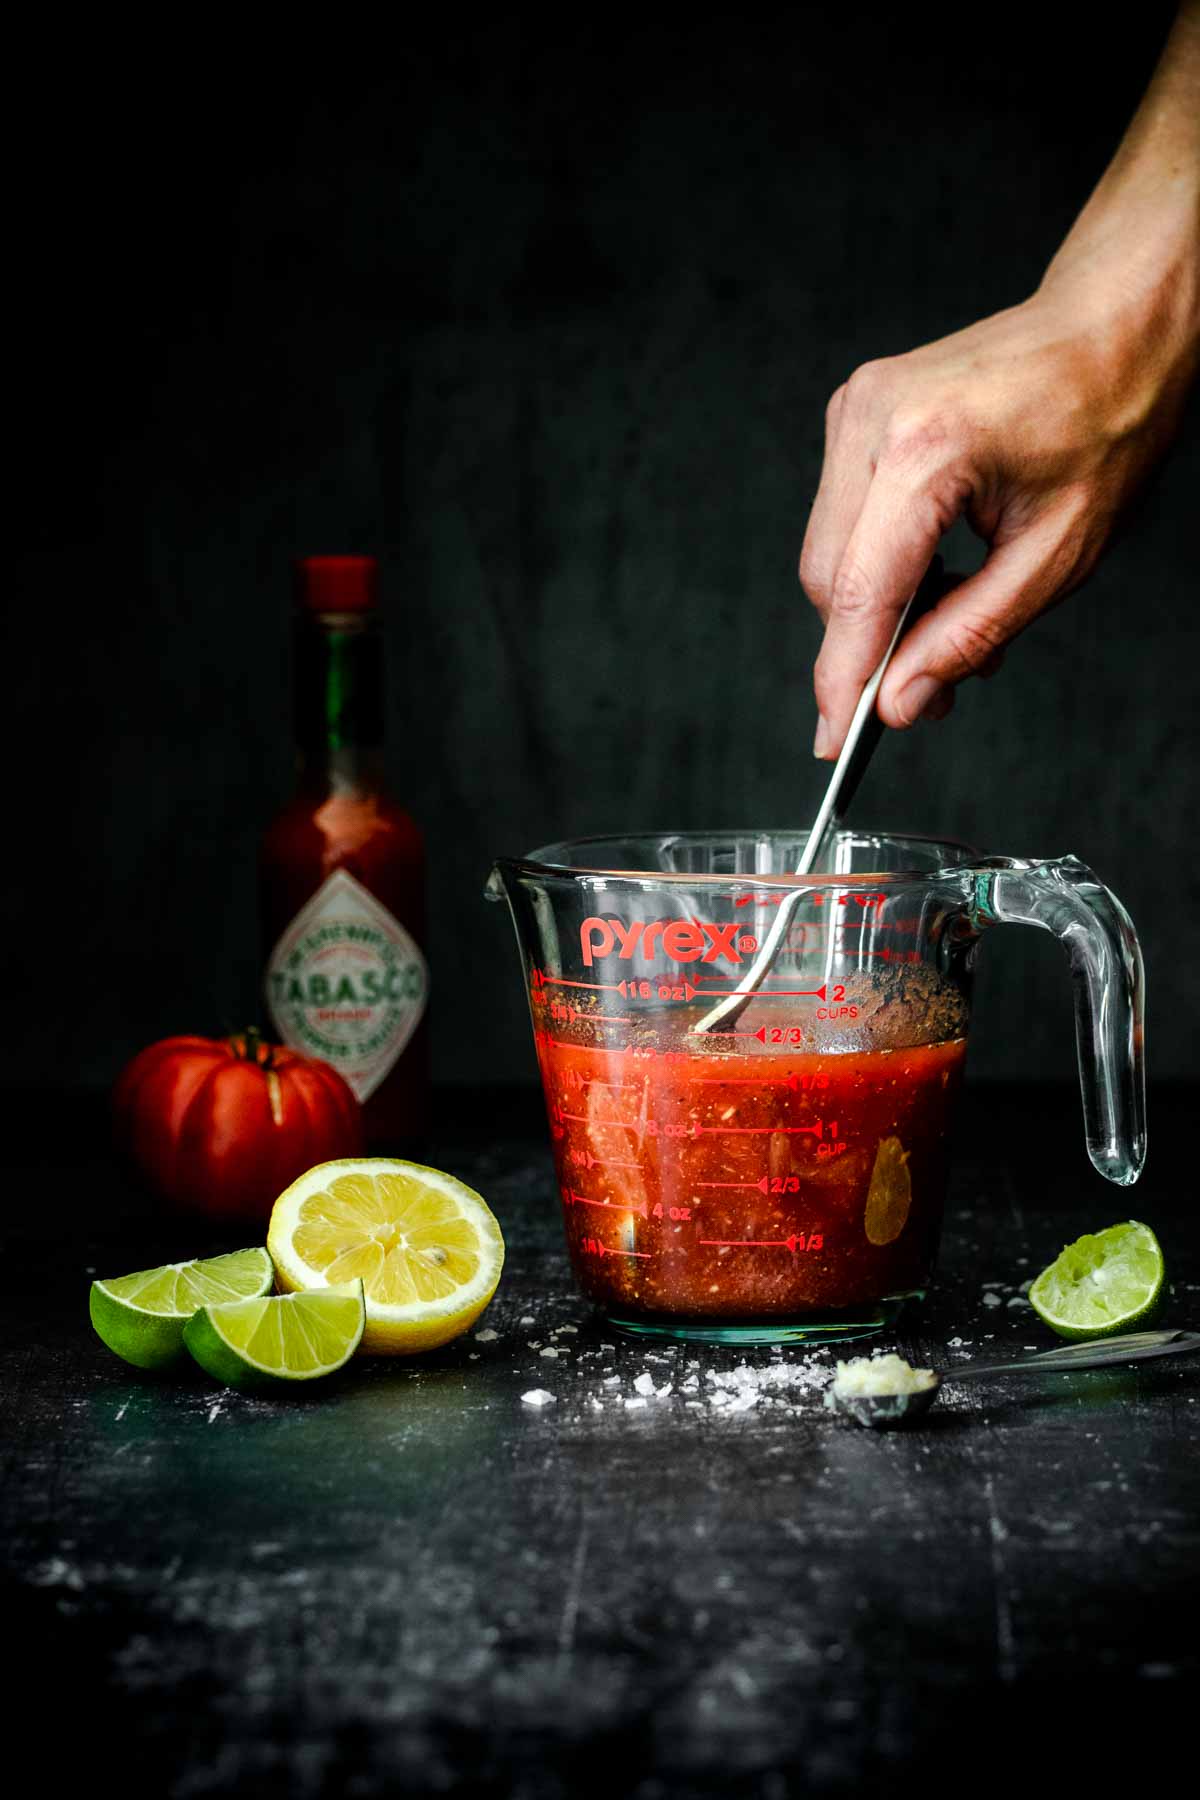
(342, 872)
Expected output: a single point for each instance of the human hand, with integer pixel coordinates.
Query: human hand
(1036, 425)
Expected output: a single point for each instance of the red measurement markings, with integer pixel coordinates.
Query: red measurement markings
(799, 1038)
(766, 1184)
(593, 1247)
(586, 1160)
(658, 990)
(541, 1036)
(792, 1036)
(538, 979)
(559, 1113)
(696, 1130)
(571, 1198)
(566, 1014)
(820, 993)
(576, 1079)
(684, 990)
(798, 1241)
(766, 900)
(766, 993)
(816, 1129)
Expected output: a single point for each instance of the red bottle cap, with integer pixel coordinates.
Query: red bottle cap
(336, 583)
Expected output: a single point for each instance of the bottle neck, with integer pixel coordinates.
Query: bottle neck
(338, 694)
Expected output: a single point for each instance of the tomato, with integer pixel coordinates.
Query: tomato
(222, 1126)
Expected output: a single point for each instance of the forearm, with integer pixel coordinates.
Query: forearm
(1132, 259)
(1038, 425)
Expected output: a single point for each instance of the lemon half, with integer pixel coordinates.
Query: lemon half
(426, 1247)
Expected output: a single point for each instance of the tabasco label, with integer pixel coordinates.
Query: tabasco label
(347, 983)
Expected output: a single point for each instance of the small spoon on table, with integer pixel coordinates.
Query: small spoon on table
(882, 1411)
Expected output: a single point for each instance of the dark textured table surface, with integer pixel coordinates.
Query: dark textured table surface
(415, 1582)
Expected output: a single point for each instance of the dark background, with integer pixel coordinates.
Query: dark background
(549, 325)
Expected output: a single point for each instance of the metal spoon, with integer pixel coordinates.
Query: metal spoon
(882, 1411)
(866, 729)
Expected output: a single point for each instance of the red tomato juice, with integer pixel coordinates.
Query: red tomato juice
(754, 1183)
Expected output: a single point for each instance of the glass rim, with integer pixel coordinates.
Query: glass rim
(537, 862)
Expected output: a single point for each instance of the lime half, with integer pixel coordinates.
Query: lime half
(141, 1316)
(1101, 1283)
(286, 1338)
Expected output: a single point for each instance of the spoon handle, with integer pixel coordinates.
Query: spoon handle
(866, 727)
(1138, 1346)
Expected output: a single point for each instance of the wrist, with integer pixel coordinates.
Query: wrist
(1130, 283)
(1131, 261)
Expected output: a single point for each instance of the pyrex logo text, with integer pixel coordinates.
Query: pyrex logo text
(682, 940)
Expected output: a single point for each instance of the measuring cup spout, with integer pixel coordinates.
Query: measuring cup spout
(1064, 897)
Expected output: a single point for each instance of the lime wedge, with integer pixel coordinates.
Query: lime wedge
(1101, 1284)
(141, 1316)
(287, 1338)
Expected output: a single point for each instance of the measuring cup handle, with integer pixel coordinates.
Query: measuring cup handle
(1064, 897)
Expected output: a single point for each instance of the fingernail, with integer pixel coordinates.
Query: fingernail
(940, 705)
(912, 700)
(824, 738)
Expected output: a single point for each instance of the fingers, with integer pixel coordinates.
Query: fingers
(941, 704)
(912, 498)
(966, 632)
(845, 477)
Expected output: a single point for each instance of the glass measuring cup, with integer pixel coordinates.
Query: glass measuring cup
(785, 1180)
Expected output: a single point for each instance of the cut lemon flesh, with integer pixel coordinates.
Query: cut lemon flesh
(141, 1316)
(1101, 1283)
(279, 1338)
(426, 1248)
